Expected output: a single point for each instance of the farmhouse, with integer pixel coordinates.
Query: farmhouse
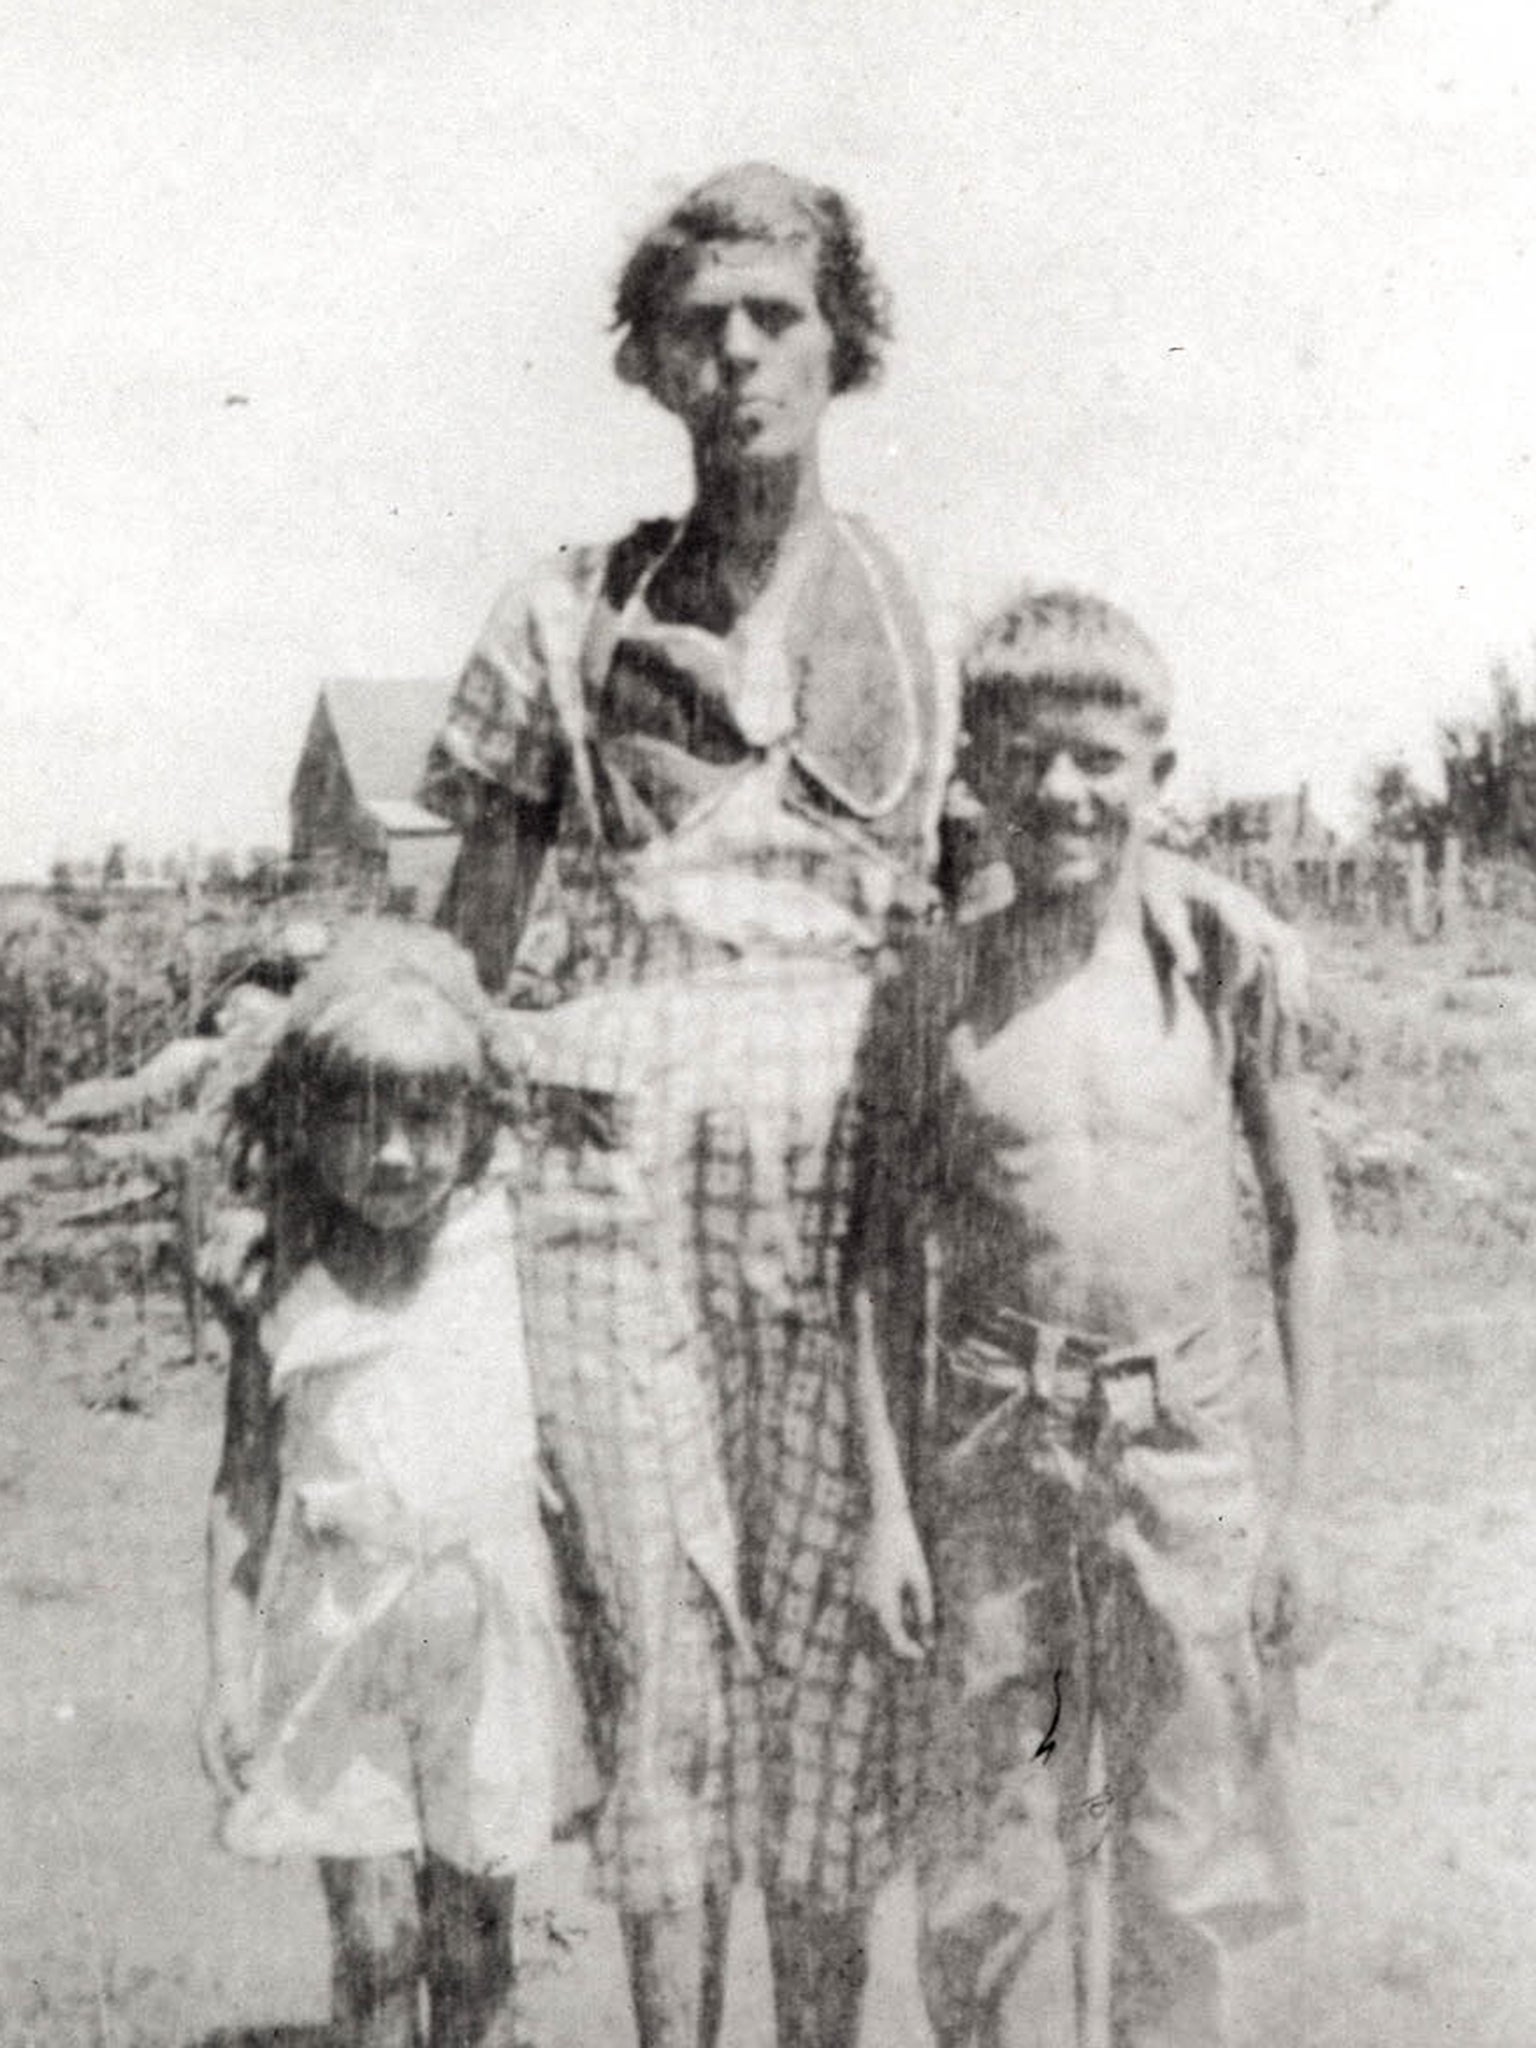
(1285, 827)
(353, 813)
(1278, 845)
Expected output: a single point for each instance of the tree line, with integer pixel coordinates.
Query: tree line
(1488, 764)
(261, 874)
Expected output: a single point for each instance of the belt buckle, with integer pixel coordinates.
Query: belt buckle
(1073, 1361)
(1127, 1390)
(1059, 1363)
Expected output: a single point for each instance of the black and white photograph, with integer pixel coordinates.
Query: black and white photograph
(768, 1025)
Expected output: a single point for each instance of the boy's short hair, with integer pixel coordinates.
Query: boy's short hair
(1065, 643)
(757, 203)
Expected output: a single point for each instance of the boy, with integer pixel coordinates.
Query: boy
(1046, 1109)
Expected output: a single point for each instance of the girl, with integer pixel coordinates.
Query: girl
(386, 1683)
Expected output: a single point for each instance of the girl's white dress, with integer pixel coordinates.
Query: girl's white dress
(410, 1674)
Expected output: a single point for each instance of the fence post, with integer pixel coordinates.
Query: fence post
(1418, 893)
(1383, 874)
(108, 1018)
(1451, 901)
(29, 1032)
(192, 941)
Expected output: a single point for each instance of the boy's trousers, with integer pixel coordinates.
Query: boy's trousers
(1085, 1565)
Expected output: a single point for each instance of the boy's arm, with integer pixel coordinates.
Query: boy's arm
(240, 1518)
(1275, 1111)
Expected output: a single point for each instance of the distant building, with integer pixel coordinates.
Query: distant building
(1278, 845)
(1286, 828)
(353, 812)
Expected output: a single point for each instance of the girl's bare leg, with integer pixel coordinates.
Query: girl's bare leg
(376, 1950)
(467, 1929)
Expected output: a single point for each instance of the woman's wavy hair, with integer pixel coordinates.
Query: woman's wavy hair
(380, 970)
(854, 302)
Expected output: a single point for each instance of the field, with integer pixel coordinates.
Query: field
(122, 1926)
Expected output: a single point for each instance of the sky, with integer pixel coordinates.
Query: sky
(1222, 310)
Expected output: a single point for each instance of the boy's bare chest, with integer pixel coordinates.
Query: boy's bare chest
(1113, 1057)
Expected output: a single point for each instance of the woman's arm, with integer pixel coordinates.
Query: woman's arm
(886, 1304)
(893, 1573)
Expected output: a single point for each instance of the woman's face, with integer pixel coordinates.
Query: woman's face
(743, 357)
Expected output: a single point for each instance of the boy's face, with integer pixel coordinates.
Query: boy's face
(392, 1150)
(1066, 782)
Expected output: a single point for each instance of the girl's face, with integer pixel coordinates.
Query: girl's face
(391, 1148)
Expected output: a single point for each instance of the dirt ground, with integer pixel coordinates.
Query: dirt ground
(123, 1926)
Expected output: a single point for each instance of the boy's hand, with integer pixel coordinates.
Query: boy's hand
(1294, 1613)
(226, 1736)
(893, 1583)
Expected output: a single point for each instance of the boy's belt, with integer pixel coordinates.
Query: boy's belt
(1067, 1370)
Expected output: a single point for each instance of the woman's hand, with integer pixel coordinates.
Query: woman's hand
(893, 1583)
(226, 1735)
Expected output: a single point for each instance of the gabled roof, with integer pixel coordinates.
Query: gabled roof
(384, 729)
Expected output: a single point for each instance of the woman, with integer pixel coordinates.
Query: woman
(722, 730)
